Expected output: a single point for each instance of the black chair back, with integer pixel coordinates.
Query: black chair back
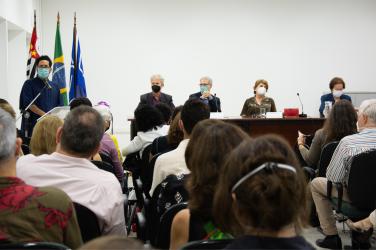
(207, 244)
(25, 149)
(104, 166)
(361, 183)
(88, 222)
(163, 235)
(147, 173)
(106, 158)
(137, 183)
(141, 227)
(34, 245)
(325, 157)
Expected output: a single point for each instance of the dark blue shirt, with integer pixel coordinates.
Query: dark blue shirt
(49, 99)
(330, 98)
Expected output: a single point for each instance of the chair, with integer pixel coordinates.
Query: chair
(162, 239)
(207, 244)
(140, 196)
(141, 227)
(34, 245)
(88, 222)
(361, 189)
(147, 173)
(104, 166)
(325, 157)
(106, 158)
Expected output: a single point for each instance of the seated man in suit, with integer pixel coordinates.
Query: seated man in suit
(69, 169)
(156, 96)
(213, 101)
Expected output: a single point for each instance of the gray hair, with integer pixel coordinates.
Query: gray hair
(82, 131)
(208, 79)
(8, 135)
(368, 108)
(104, 112)
(157, 76)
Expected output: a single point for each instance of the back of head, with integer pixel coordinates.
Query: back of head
(341, 121)
(8, 108)
(3, 101)
(43, 140)
(208, 147)
(175, 134)
(267, 200)
(368, 108)
(147, 117)
(80, 101)
(165, 111)
(112, 242)
(7, 136)
(192, 112)
(82, 131)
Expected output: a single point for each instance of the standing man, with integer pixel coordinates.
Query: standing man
(208, 98)
(156, 96)
(48, 99)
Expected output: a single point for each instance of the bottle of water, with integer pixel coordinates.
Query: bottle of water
(327, 108)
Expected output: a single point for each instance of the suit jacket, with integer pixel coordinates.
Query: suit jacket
(213, 102)
(329, 98)
(148, 99)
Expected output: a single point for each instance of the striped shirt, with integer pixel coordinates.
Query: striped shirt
(347, 148)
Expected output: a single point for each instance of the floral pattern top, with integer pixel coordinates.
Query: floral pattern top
(32, 214)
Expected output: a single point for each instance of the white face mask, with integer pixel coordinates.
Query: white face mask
(261, 90)
(337, 93)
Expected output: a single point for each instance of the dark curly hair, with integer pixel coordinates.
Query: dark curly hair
(341, 121)
(147, 118)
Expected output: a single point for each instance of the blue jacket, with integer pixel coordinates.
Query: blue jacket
(329, 98)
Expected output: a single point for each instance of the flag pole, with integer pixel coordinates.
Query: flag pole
(75, 55)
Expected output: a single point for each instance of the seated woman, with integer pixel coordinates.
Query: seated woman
(262, 198)
(340, 123)
(336, 86)
(149, 124)
(170, 141)
(252, 106)
(43, 140)
(210, 143)
(108, 145)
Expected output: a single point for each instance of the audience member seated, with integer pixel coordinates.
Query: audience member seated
(149, 122)
(338, 168)
(170, 141)
(165, 111)
(43, 140)
(262, 197)
(196, 222)
(156, 96)
(173, 162)
(27, 213)
(336, 86)
(252, 106)
(206, 84)
(340, 123)
(70, 169)
(80, 101)
(113, 242)
(107, 145)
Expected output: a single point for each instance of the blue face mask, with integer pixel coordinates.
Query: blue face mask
(43, 73)
(203, 88)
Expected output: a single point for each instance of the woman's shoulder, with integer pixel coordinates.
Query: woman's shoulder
(250, 99)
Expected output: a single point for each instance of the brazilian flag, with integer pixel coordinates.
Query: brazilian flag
(58, 74)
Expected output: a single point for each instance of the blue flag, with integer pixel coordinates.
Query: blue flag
(77, 79)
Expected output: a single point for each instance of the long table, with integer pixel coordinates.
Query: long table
(286, 127)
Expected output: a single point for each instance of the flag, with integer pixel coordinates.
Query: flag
(33, 53)
(77, 86)
(58, 74)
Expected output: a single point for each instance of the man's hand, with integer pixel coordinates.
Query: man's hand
(205, 95)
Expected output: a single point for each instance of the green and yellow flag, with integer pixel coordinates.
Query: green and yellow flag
(58, 74)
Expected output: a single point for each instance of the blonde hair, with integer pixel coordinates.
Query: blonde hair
(43, 140)
(8, 108)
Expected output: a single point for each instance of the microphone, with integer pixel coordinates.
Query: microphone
(302, 114)
(47, 83)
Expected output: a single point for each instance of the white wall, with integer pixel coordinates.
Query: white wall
(297, 45)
